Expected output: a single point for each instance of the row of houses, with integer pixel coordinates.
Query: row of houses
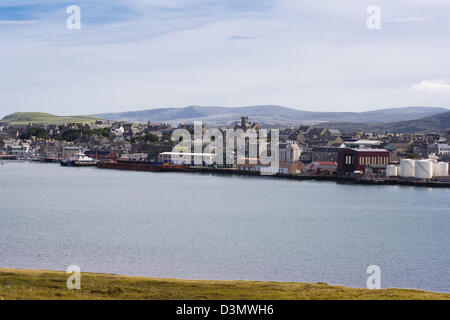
(305, 144)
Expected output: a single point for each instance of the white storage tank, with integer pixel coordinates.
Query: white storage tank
(391, 171)
(407, 168)
(423, 169)
(436, 169)
(442, 169)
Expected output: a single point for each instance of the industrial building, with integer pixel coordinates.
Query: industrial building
(350, 160)
(187, 158)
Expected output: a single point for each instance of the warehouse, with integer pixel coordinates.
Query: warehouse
(350, 160)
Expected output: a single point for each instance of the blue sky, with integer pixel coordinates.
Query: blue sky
(307, 54)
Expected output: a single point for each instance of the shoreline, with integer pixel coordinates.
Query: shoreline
(35, 284)
(327, 178)
(337, 178)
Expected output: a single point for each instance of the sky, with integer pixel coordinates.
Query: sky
(142, 54)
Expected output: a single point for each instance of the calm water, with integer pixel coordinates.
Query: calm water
(213, 227)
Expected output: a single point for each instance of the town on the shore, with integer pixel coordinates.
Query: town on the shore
(304, 151)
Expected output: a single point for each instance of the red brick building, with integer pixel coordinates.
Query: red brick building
(101, 155)
(350, 160)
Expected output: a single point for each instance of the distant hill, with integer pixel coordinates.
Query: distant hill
(269, 115)
(44, 118)
(437, 123)
(402, 120)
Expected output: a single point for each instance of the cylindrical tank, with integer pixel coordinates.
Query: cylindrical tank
(407, 168)
(436, 169)
(424, 169)
(391, 171)
(442, 169)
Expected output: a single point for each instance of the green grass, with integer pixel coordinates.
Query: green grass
(19, 118)
(39, 284)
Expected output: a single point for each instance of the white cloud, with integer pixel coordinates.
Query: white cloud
(432, 86)
(315, 55)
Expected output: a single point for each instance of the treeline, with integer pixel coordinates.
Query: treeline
(37, 132)
(150, 137)
(67, 135)
(74, 134)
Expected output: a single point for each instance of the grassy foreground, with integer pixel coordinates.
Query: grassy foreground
(37, 284)
(20, 118)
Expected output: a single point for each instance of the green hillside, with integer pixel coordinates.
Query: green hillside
(44, 118)
(40, 284)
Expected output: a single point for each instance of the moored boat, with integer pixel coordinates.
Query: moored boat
(80, 160)
(141, 166)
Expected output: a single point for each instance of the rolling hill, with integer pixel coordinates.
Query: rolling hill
(438, 123)
(44, 118)
(269, 115)
(412, 119)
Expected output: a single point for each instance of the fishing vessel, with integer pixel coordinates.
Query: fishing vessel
(80, 160)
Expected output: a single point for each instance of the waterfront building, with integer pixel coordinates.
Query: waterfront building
(16, 150)
(290, 152)
(325, 153)
(101, 155)
(70, 152)
(350, 160)
(187, 158)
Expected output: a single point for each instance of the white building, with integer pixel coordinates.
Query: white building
(363, 144)
(290, 152)
(17, 150)
(118, 132)
(440, 149)
(187, 158)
